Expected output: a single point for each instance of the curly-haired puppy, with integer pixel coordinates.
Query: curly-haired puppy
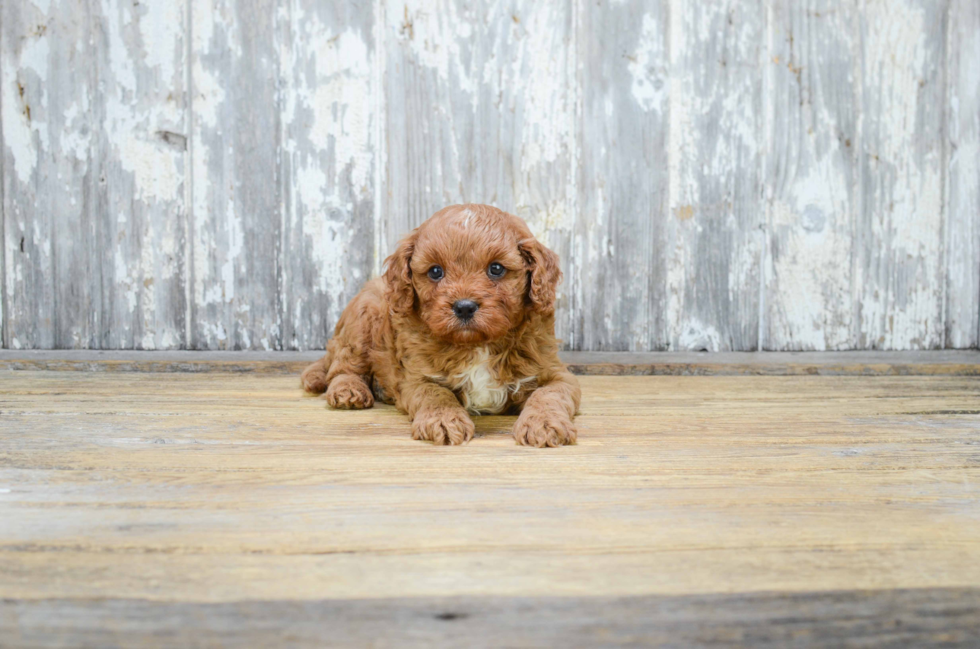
(462, 322)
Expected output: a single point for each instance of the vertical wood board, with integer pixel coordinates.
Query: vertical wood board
(715, 233)
(51, 179)
(93, 112)
(962, 203)
(327, 163)
(237, 212)
(227, 174)
(811, 174)
(619, 250)
(142, 148)
(899, 230)
(480, 109)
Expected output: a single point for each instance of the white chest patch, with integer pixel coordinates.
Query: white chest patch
(482, 393)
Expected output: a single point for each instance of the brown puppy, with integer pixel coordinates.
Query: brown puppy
(462, 321)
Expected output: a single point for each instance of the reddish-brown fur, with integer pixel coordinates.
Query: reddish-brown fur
(399, 335)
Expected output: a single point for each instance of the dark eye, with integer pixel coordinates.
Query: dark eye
(496, 270)
(435, 273)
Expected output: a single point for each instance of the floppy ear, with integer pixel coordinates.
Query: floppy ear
(398, 277)
(543, 272)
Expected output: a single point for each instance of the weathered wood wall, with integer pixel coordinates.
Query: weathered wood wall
(225, 174)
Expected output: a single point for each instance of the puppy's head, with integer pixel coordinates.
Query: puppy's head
(471, 273)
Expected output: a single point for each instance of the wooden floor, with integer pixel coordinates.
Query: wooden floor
(212, 508)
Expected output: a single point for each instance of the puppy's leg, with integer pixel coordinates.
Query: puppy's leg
(546, 419)
(345, 386)
(436, 414)
(343, 373)
(314, 377)
(347, 377)
(349, 392)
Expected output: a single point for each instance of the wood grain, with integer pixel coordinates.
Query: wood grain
(715, 229)
(899, 231)
(962, 198)
(93, 182)
(136, 497)
(890, 618)
(141, 121)
(236, 224)
(923, 363)
(52, 180)
(224, 175)
(329, 113)
(238, 487)
(812, 172)
(619, 260)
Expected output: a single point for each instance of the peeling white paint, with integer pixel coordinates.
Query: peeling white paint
(342, 71)
(25, 134)
(698, 336)
(962, 202)
(232, 255)
(539, 74)
(423, 26)
(208, 92)
(329, 127)
(494, 112)
(161, 28)
(713, 150)
(901, 307)
(648, 88)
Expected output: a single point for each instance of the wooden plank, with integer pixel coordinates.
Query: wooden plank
(324, 131)
(962, 199)
(481, 109)
(52, 187)
(328, 163)
(922, 363)
(962, 363)
(812, 169)
(715, 229)
(898, 235)
(142, 146)
(621, 274)
(236, 219)
(93, 206)
(916, 617)
(3, 224)
(231, 488)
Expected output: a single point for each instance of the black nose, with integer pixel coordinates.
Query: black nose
(464, 309)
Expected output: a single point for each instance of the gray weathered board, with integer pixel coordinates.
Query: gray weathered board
(721, 175)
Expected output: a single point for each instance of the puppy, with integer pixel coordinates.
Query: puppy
(461, 323)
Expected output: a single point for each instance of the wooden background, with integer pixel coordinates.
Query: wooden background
(722, 175)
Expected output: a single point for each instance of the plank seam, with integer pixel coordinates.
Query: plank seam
(976, 216)
(964, 363)
(944, 182)
(668, 334)
(857, 238)
(188, 274)
(101, 193)
(279, 244)
(764, 163)
(4, 321)
(571, 195)
(380, 140)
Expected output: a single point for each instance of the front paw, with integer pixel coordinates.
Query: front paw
(349, 392)
(540, 428)
(315, 378)
(443, 426)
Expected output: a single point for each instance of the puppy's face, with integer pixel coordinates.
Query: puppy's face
(471, 271)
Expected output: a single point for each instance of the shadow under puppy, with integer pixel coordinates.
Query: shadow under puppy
(462, 321)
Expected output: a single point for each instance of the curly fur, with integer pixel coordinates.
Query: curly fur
(399, 335)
